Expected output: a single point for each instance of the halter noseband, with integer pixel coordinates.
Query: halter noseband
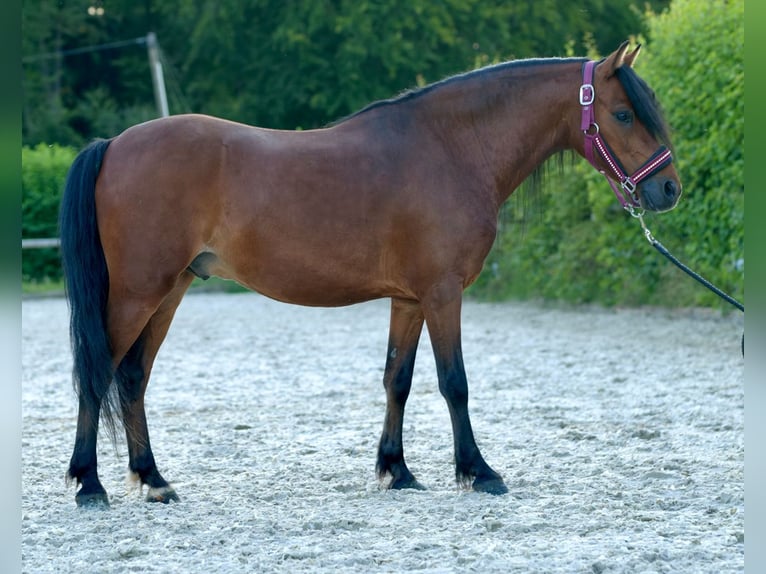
(661, 158)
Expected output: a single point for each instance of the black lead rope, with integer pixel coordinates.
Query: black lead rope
(662, 249)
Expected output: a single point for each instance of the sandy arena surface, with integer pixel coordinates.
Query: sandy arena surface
(619, 433)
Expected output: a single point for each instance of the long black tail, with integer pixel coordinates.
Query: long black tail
(87, 286)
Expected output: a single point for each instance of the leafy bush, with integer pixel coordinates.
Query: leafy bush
(580, 246)
(696, 61)
(43, 171)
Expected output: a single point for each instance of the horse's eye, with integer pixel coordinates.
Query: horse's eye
(625, 116)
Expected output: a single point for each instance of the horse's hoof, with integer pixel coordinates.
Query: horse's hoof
(92, 500)
(406, 482)
(494, 486)
(163, 494)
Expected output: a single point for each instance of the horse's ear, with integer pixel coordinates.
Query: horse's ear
(631, 57)
(616, 59)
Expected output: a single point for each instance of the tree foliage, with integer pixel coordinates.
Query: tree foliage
(279, 64)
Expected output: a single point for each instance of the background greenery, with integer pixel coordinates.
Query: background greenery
(578, 245)
(43, 172)
(276, 63)
(304, 63)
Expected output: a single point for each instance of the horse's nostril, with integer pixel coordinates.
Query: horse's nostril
(670, 188)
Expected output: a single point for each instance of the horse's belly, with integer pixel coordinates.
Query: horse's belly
(319, 282)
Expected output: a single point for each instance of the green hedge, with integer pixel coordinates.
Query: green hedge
(576, 244)
(696, 60)
(43, 171)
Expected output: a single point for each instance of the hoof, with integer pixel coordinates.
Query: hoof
(163, 494)
(406, 482)
(92, 500)
(494, 486)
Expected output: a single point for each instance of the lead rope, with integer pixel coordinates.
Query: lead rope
(662, 249)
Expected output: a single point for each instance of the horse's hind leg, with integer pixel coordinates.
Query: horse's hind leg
(442, 313)
(404, 333)
(125, 321)
(133, 378)
(83, 464)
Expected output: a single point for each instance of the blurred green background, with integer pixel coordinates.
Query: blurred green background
(301, 64)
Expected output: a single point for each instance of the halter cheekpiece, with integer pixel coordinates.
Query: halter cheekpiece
(660, 159)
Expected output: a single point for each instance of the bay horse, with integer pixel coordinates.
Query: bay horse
(399, 200)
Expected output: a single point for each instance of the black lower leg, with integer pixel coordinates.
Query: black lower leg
(132, 380)
(391, 449)
(470, 466)
(406, 324)
(144, 469)
(83, 464)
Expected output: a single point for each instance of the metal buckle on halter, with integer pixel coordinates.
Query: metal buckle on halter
(630, 186)
(587, 94)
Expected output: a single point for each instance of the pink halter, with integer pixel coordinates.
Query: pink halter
(661, 158)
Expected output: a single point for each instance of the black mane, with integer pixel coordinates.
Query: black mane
(645, 104)
(414, 93)
(641, 96)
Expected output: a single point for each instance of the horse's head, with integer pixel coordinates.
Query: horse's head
(626, 136)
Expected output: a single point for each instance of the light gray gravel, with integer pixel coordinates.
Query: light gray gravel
(619, 433)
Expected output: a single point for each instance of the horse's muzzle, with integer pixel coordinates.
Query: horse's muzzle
(659, 193)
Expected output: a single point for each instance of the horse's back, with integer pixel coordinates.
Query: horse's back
(281, 212)
(320, 217)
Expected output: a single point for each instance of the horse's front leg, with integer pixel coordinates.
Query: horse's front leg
(404, 334)
(442, 315)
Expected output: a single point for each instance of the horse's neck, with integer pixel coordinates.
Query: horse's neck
(508, 126)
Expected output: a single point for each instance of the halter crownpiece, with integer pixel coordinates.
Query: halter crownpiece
(660, 159)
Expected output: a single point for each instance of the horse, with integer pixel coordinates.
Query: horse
(399, 200)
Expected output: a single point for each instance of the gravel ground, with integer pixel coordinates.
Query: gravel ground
(619, 433)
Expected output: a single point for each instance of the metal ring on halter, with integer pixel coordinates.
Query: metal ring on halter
(594, 133)
(637, 212)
